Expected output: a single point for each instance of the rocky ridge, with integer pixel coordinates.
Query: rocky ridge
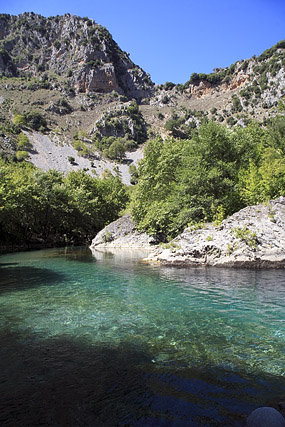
(68, 46)
(254, 237)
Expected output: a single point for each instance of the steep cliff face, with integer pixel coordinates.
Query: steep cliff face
(71, 50)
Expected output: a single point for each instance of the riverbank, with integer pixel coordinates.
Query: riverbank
(25, 247)
(254, 237)
(122, 234)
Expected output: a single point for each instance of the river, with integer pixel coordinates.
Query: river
(104, 340)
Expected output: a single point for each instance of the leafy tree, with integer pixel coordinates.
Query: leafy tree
(157, 180)
(276, 130)
(19, 120)
(181, 181)
(117, 150)
(134, 174)
(49, 206)
(22, 155)
(35, 120)
(71, 159)
(266, 181)
(23, 142)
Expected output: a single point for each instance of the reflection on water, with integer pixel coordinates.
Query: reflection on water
(102, 339)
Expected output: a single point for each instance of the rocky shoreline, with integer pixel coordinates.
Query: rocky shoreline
(254, 237)
(122, 234)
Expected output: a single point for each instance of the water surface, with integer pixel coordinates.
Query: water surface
(106, 340)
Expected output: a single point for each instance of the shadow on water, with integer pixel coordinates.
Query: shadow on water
(6, 264)
(64, 382)
(16, 278)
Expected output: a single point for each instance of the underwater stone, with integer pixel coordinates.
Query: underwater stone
(265, 417)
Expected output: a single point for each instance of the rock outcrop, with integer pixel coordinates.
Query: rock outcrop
(122, 234)
(252, 237)
(69, 46)
(265, 416)
(124, 121)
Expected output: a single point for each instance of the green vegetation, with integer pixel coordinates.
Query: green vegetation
(183, 126)
(21, 155)
(71, 160)
(208, 177)
(246, 235)
(222, 75)
(31, 119)
(23, 142)
(46, 205)
(119, 131)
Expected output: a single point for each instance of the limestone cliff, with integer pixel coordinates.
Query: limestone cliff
(70, 50)
(251, 238)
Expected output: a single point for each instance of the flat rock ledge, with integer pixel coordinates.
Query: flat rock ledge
(122, 234)
(254, 237)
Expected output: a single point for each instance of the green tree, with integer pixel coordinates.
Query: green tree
(186, 181)
(260, 183)
(23, 142)
(22, 155)
(47, 205)
(117, 150)
(19, 120)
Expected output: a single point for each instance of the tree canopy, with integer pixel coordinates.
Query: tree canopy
(218, 171)
(49, 206)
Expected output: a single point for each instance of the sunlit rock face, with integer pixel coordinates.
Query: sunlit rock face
(122, 234)
(77, 50)
(252, 237)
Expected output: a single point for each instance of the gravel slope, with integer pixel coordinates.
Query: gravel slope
(53, 154)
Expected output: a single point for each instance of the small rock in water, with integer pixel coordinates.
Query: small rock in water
(265, 417)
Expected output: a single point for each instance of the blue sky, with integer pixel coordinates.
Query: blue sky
(172, 39)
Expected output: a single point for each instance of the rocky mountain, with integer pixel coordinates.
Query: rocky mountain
(249, 89)
(67, 85)
(72, 52)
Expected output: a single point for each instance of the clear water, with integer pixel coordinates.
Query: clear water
(107, 340)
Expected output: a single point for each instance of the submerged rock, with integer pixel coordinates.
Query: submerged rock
(122, 234)
(252, 237)
(265, 417)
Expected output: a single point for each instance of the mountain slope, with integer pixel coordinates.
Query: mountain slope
(73, 52)
(66, 79)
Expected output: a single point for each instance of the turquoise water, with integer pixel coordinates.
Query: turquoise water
(106, 340)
